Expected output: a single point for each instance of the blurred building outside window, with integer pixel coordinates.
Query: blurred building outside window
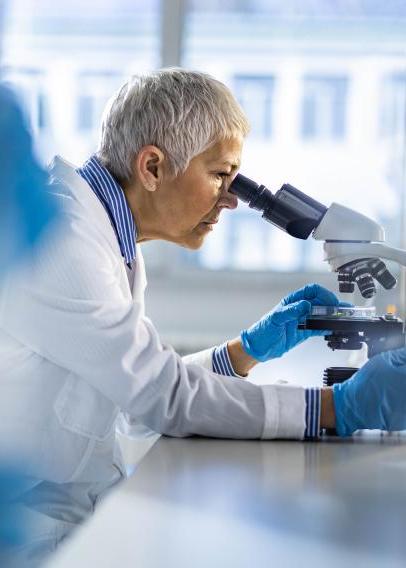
(392, 119)
(67, 59)
(324, 107)
(29, 84)
(254, 93)
(85, 113)
(95, 90)
(329, 64)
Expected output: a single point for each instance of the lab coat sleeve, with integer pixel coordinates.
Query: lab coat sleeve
(69, 308)
(203, 358)
(216, 359)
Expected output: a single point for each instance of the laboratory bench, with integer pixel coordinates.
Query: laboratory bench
(201, 502)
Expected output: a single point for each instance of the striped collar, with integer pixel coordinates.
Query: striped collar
(112, 197)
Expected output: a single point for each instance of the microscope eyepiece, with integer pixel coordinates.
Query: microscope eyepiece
(244, 188)
(289, 209)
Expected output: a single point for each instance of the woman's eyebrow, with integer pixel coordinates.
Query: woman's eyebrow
(233, 165)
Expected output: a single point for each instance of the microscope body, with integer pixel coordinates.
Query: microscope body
(353, 243)
(354, 246)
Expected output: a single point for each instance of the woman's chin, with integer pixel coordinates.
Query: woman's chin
(193, 242)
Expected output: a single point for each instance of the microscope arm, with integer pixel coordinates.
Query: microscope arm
(340, 253)
(354, 247)
(349, 236)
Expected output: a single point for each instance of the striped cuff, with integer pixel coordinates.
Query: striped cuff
(313, 406)
(221, 361)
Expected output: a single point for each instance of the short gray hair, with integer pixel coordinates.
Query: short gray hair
(181, 112)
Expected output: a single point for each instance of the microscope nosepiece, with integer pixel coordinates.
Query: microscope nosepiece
(363, 272)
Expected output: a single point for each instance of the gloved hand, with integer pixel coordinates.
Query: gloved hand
(375, 397)
(277, 332)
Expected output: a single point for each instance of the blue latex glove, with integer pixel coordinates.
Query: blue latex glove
(277, 332)
(375, 397)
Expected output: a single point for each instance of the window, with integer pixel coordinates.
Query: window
(255, 93)
(314, 78)
(67, 59)
(324, 107)
(309, 75)
(95, 88)
(392, 119)
(85, 112)
(28, 84)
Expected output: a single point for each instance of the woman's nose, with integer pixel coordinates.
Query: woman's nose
(228, 200)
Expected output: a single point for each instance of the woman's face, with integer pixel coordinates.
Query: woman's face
(189, 206)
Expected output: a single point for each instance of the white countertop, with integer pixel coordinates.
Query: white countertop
(200, 502)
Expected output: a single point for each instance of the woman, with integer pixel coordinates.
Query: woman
(78, 352)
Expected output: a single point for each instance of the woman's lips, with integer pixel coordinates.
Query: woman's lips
(209, 225)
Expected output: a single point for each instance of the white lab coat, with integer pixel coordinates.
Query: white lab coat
(77, 351)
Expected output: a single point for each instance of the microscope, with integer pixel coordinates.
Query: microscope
(354, 248)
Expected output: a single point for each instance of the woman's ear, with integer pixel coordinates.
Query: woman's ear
(149, 167)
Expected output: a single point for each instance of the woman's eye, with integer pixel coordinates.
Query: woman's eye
(222, 175)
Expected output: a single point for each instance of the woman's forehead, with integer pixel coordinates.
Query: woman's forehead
(225, 152)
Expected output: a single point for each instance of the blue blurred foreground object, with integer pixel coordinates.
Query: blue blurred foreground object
(13, 526)
(277, 332)
(26, 209)
(375, 397)
(25, 206)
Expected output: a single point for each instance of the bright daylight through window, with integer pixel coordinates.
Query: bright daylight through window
(324, 86)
